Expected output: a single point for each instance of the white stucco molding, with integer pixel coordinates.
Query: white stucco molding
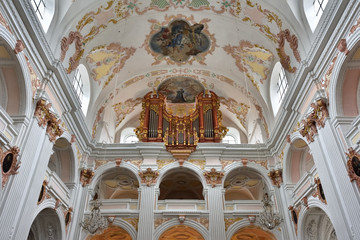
(336, 79)
(175, 165)
(110, 166)
(249, 166)
(245, 223)
(25, 107)
(312, 203)
(175, 222)
(50, 203)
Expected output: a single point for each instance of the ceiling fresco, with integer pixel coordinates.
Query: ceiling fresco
(164, 40)
(107, 60)
(180, 41)
(130, 47)
(252, 58)
(180, 89)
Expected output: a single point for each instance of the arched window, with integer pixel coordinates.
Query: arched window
(313, 11)
(279, 86)
(44, 10)
(232, 136)
(131, 139)
(81, 86)
(78, 84)
(128, 136)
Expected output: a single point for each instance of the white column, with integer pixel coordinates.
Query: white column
(23, 191)
(340, 195)
(79, 208)
(216, 213)
(146, 215)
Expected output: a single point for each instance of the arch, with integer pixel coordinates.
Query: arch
(197, 170)
(117, 183)
(310, 225)
(112, 165)
(338, 73)
(251, 166)
(63, 161)
(245, 224)
(243, 184)
(22, 75)
(160, 230)
(112, 232)
(298, 161)
(253, 232)
(48, 222)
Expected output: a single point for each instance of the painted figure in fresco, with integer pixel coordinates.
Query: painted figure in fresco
(179, 96)
(179, 40)
(180, 89)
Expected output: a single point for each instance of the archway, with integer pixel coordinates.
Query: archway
(181, 184)
(299, 161)
(62, 161)
(252, 233)
(111, 233)
(317, 225)
(181, 232)
(45, 226)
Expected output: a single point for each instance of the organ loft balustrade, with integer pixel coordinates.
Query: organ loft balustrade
(179, 124)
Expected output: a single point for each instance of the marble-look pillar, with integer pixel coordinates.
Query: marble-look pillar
(146, 215)
(330, 162)
(216, 213)
(23, 190)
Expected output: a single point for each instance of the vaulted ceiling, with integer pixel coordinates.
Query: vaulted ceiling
(112, 40)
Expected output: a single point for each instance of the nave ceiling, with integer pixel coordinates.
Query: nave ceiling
(112, 40)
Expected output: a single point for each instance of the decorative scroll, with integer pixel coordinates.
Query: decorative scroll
(19, 47)
(353, 164)
(43, 193)
(86, 176)
(48, 119)
(68, 217)
(276, 177)
(9, 164)
(294, 216)
(284, 58)
(79, 51)
(213, 177)
(149, 176)
(319, 192)
(304, 202)
(315, 119)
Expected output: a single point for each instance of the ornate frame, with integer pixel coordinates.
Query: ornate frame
(295, 211)
(13, 168)
(319, 191)
(351, 171)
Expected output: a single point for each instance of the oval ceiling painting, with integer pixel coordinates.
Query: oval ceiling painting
(180, 89)
(179, 40)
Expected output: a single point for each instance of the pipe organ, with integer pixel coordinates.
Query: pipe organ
(180, 125)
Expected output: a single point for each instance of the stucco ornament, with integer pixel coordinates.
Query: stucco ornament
(276, 177)
(311, 230)
(149, 176)
(353, 164)
(86, 176)
(9, 164)
(213, 177)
